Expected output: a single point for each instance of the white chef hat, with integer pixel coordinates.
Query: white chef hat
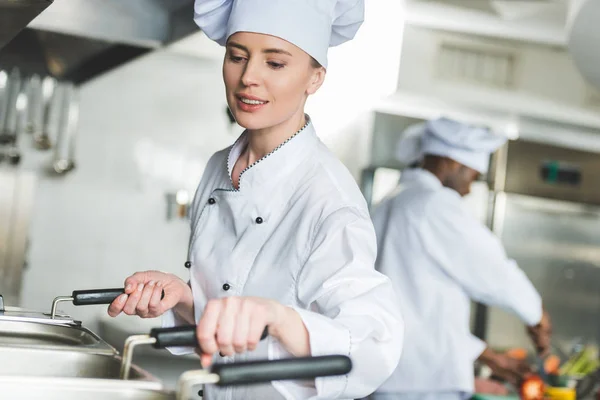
(312, 25)
(467, 144)
(409, 148)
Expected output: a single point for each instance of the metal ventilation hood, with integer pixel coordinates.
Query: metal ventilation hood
(16, 14)
(77, 40)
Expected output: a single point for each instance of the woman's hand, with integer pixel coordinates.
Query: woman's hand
(143, 292)
(235, 324)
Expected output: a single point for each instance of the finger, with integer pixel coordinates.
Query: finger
(116, 307)
(226, 325)
(207, 327)
(206, 360)
(154, 305)
(257, 326)
(242, 328)
(132, 282)
(132, 301)
(142, 305)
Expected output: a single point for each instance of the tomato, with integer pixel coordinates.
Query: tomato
(532, 388)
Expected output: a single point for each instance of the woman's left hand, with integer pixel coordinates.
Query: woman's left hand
(235, 324)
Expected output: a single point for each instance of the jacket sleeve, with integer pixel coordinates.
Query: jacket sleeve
(350, 308)
(474, 257)
(170, 320)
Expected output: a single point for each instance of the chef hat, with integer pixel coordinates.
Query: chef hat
(409, 147)
(312, 25)
(467, 144)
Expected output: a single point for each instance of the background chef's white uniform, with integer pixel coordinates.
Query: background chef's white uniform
(314, 250)
(439, 257)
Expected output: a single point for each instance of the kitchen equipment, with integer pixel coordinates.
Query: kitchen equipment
(160, 338)
(53, 331)
(43, 388)
(547, 214)
(49, 361)
(64, 149)
(16, 333)
(41, 136)
(88, 297)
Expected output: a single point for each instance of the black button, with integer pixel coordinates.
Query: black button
(259, 220)
(226, 286)
(200, 392)
(188, 264)
(211, 201)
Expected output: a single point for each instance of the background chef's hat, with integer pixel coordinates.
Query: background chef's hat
(467, 144)
(409, 147)
(312, 25)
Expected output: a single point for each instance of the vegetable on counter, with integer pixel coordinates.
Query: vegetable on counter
(532, 388)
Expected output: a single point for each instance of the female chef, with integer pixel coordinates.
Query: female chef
(281, 235)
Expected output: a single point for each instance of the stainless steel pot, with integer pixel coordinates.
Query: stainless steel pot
(44, 362)
(248, 373)
(26, 328)
(28, 334)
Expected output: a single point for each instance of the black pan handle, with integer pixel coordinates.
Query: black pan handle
(181, 336)
(252, 372)
(98, 296)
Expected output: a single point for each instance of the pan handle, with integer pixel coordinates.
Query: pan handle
(98, 296)
(181, 336)
(252, 372)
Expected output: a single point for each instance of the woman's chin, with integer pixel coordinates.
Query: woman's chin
(251, 122)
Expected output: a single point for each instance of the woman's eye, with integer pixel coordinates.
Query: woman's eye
(236, 59)
(275, 65)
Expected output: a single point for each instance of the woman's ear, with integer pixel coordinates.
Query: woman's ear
(316, 80)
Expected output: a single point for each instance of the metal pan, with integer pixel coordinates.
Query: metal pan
(19, 334)
(248, 373)
(26, 328)
(59, 363)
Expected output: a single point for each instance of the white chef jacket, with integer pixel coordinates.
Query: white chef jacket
(297, 231)
(439, 256)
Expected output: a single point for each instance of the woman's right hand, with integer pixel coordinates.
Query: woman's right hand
(143, 292)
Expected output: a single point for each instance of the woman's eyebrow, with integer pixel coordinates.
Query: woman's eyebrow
(265, 51)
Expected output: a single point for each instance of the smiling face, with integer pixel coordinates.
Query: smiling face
(267, 80)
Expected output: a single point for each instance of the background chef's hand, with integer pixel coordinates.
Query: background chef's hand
(505, 367)
(541, 333)
(235, 324)
(143, 292)
(489, 386)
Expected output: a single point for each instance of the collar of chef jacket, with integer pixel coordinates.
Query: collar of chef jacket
(421, 176)
(259, 178)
